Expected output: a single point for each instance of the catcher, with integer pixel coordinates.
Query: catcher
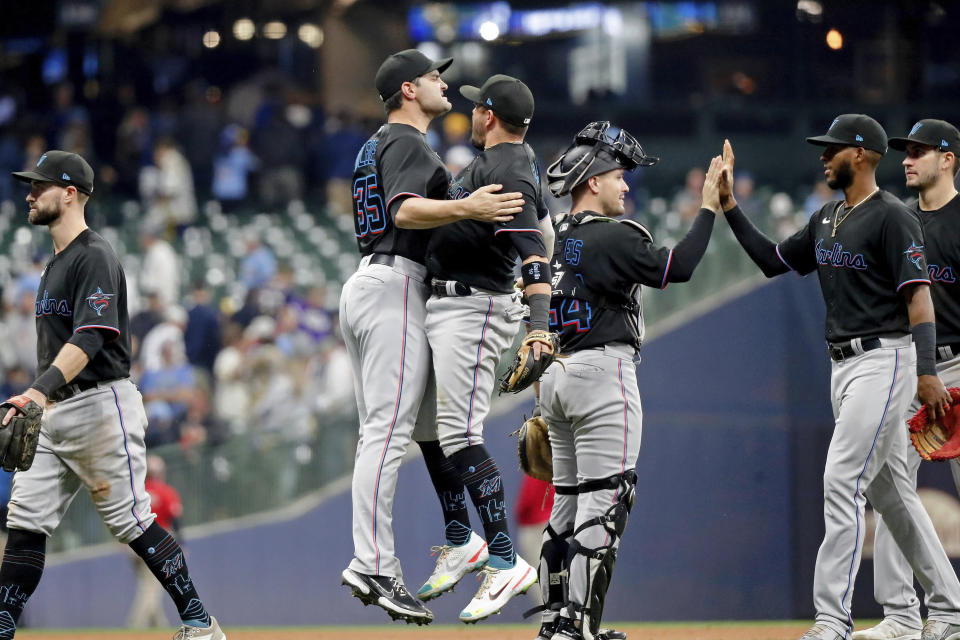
(591, 403)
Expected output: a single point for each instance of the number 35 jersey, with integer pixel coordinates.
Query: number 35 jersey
(396, 163)
(598, 266)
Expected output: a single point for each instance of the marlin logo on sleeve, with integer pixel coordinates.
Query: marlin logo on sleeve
(99, 301)
(914, 254)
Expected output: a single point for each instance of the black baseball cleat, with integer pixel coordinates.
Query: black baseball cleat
(547, 630)
(390, 594)
(566, 630)
(611, 634)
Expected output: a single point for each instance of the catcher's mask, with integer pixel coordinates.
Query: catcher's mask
(599, 147)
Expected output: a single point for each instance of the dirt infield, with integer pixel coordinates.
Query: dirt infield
(786, 630)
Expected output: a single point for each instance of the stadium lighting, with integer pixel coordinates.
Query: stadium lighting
(274, 30)
(311, 34)
(834, 39)
(211, 39)
(244, 29)
(489, 31)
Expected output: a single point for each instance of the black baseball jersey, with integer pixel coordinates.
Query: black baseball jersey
(393, 165)
(84, 288)
(598, 266)
(483, 254)
(878, 249)
(941, 229)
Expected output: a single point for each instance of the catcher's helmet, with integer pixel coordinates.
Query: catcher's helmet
(598, 148)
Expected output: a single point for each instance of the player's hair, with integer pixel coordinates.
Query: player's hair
(82, 198)
(513, 129)
(956, 164)
(873, 157)
(395, 101)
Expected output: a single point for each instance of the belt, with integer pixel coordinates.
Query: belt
(67, 391)
(842, 350)
(446, 288)
(383, 258)
(948, 352)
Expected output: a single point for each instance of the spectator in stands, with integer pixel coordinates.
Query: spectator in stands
(334, 378)
(687, 201)
(160, 272)
(232, 169)
(259, 265)
(280, 148)
(167, 391)
(132, 151)
(170, 329)
(166, 187)
(142, 322)
(19, 330)
(146, 610)
(230, 393)
(11, 159)
(202, 336)
(199, 131)
(343, 140)
(819, 196)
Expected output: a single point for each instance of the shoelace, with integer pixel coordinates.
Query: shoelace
(814, 631)
(398, 587)
(443, 550)
(487, 574)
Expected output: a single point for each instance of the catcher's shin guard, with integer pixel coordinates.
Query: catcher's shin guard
(553, 568)
(601, 560)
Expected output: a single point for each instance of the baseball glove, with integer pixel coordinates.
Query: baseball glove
(533, 449)
(525, 370)
(938, 440)
(19, 438)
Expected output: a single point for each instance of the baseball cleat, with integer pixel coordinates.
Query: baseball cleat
(888, 629)
(496, 589)
(939, 630)
(611, 634)
(452, 565)
(547, 629)
(213, 632)
(390, 594)
(566, 630)
(821, 632)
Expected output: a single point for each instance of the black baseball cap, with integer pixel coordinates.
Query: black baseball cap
(405, 66)
(934, 133)
(507, 97)
(854, 130)
(63, 168)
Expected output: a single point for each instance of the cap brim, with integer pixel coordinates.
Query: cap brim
(473, 94)
(30, 176)
(440, 65)
(900, 144)
(826, 141)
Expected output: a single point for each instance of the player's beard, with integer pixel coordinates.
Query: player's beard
(478, 134)
(842, 176)
(923, 181)
(44, 215)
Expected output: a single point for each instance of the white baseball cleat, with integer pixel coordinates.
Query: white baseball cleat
(498, 586)
(213, 632)
(888, 629)
(939, 630)
(821, 631)
(452, 565)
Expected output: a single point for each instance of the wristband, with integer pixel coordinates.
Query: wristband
(49, 381)
(925, 339)
(536, 272)
(539, 311)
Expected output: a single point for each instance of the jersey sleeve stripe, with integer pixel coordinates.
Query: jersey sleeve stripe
(400, 195)
(785, 263)
(663, 283)
(537, 231)
(917, 281)
(96, 326)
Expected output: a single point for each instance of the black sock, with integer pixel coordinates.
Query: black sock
(482, 477)
(164, 557)
(19, 575)
(450, 491)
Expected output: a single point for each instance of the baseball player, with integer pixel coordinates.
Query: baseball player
(868, 252)
(93, 427)
(472, 318)
(930, 166)
(399, 191)
(590, 401)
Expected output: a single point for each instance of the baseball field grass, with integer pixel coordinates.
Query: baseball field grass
(725, 630)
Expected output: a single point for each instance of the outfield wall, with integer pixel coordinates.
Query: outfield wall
(727, 520)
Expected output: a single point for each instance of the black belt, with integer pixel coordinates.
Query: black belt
(446, 288)
(841, 350)
(67, 391)
(383, 258)
(947, 352)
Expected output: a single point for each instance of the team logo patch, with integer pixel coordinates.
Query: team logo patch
(99, 301)
(173, 565)
(915, 255)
